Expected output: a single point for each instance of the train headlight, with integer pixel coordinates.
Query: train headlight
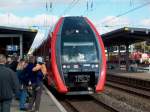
(64, 66)
(94, 65)
(89, 89)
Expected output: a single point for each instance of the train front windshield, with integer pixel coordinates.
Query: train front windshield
(78, 42)
(73, 52)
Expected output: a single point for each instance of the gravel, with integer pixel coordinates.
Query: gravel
(123, 101)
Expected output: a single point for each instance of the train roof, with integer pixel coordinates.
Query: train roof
(74, 17)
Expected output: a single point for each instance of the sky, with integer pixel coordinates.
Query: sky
(106, 15)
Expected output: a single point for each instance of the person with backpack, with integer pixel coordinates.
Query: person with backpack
(40, 72)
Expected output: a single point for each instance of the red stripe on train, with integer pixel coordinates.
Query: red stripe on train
(102, 78)
(59, 83)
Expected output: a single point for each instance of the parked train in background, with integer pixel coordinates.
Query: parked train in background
(77, 62)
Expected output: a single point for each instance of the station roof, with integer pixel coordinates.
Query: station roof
(126, 35)
(12, 32)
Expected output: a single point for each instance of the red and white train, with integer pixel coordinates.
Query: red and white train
(77, 62)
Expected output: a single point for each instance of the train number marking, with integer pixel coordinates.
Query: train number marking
(82, 78)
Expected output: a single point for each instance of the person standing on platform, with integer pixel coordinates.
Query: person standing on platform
(23, 84)
(14, 63)
(28, 69)
(40, 72)
(8, 62)
(9, 84)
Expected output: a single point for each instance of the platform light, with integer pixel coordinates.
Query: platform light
(147, 32)
(132, 31)
(126, 28)
(33, 30)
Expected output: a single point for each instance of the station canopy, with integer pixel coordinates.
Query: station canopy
(126, 36)
(11, 35)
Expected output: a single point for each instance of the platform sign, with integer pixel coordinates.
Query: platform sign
(12, 48)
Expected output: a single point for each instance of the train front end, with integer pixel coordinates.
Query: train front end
(78, 56)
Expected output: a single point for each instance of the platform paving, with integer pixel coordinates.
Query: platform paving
(48, 104)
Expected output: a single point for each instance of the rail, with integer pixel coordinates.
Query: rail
(84, 103)
(140, 87)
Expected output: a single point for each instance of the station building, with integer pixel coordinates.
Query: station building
(16, 40)
(123, 38)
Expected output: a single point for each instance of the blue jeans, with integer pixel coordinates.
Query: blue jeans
(23, 98)
(5, 105)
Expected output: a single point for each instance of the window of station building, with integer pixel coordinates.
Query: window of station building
(122, 47)
(114, 48)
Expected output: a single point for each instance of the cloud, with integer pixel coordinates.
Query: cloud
(14, 4)
(110, 23)
(145, 22)
(42, 20)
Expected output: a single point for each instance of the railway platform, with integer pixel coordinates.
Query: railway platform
(48, 103)
(136, 82)
(135, 75)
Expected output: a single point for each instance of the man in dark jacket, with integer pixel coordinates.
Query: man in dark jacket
(9, 84)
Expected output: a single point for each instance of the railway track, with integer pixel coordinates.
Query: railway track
(84, 104)
(135, 86)
(120, 95)
(129, 94)
(129, 89)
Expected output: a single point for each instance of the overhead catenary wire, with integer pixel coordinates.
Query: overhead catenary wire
(70, 6)
(127, 12)
(133, 9)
